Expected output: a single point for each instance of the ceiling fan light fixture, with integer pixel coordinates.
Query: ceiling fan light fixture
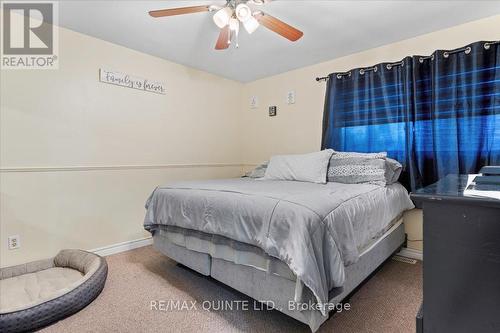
(229, 17)
(222, 17)
(234, 25)
(251, 24)
(243, 12)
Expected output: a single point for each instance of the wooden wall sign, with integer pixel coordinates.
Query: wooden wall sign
(129, 81)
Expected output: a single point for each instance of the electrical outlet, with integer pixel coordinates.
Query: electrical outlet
(14, 242)
(254, 102)
(290, 97)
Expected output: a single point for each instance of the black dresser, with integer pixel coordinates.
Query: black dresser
(461, 267)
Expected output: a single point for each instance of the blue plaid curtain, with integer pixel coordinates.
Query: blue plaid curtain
(437, 115)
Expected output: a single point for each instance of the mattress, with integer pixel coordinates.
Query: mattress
(315, 229)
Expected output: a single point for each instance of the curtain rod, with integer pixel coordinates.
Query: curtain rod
(361, 71)
(446, 54)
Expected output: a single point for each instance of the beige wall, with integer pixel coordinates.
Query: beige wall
(79, 157)
(66, 120)
(297, 127)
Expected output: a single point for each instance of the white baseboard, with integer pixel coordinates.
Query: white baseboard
(122, 247)
(411, 253)
(136, 243)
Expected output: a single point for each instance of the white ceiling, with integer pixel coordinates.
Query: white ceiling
(331, 29)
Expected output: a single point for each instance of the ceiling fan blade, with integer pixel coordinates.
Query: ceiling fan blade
(179, 11)
(278, 26)
(223, 40)
(259, 2)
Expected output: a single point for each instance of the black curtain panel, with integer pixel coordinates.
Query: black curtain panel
(437, 114)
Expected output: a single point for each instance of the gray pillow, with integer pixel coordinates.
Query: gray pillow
(310, 167)
(258, 172)
(392, 170)
(358, 168)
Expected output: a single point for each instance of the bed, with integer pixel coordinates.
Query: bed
(286, 243)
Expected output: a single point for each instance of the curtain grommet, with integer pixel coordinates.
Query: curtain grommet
(446, 54)
(389, 67)
(375, 69)
(421, 59)
(361, 71)
(487, 46)
(341, 75)
(468, 50)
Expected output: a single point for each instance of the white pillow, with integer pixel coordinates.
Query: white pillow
(310, 167)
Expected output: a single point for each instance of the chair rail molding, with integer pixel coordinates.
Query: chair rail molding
(119, 167)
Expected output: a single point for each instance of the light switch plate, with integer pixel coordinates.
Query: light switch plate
(254, 102)
(14, 242)
(290, 97)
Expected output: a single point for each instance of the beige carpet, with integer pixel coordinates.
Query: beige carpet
(387, 303)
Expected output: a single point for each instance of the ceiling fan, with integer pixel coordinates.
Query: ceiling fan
(233, 14)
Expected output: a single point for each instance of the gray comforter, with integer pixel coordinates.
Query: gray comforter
(292, 221)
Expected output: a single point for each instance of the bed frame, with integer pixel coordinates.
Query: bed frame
(263, 286)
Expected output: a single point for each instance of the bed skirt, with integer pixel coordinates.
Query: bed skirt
(280, 291)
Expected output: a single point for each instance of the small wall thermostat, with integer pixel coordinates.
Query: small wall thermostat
(272, 111)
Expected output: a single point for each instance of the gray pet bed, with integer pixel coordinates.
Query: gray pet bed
(39, 293)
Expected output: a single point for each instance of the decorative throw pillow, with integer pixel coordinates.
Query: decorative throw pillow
(357, 168)
(258, 172)
(345, 154)
(305, 167)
